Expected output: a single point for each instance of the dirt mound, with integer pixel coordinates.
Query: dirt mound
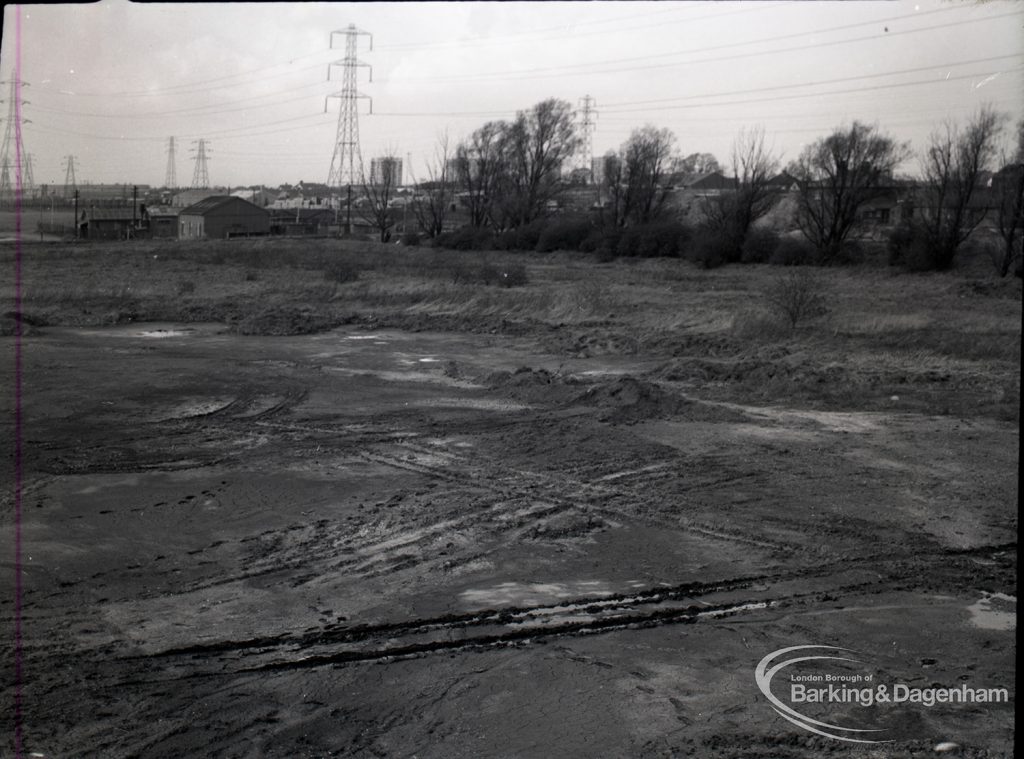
(628, 398)
(14, 322)
(284, 321)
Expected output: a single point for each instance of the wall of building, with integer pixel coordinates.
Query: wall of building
(232, 222)
(190, 227)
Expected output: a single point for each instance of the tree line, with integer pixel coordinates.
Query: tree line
(506, 178)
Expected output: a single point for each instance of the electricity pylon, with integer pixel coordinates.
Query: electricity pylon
(201, 175)
(171, 179)
(347, 161)
(70, 185)
(15, 169)
(588, 117)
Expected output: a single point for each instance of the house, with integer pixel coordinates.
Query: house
(258, 196)
(784, 182)
(222, 216)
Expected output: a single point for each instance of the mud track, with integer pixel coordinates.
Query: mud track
(383, 544)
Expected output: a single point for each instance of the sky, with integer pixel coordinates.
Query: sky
(110, 82)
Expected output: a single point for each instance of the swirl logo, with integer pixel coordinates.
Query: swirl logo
(766, 670)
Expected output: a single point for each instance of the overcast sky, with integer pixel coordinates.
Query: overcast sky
(110, 82)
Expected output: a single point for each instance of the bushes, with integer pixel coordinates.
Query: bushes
(339, 271)
(908, 246)
(466, 238)
(664, 239)
(710, 249)
(525, 237)
(411, 239)
(564, 234)
(794, 250)
(760, 245)
(797, 295)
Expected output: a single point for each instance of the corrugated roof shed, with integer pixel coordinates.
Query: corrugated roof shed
(206, 205)
(114, 214)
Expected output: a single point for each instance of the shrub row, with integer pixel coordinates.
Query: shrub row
(707, 247)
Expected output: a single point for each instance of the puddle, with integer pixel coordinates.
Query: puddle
(196, 408)
(480, 404)
(429, 360)
(996, 611)
(364, 337)
(166, 332)
(533, 594)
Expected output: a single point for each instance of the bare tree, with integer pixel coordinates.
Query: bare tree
(635, 178)
(613, 190)
(951, 168)
(378, 192)
(480, 165)
(732, 214)
(1008, 191)
(433, 200)
(697, 163)
(837, 175)
(538, 143)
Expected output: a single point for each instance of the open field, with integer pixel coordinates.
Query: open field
(289, 498)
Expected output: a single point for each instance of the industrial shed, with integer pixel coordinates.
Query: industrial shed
(163, 222)
(112, 223)
(222, 216)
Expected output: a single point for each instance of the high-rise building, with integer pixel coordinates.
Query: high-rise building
(386, 170)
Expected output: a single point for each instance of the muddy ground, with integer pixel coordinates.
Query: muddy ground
(387, 543)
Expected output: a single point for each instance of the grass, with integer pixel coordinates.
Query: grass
(950, 340)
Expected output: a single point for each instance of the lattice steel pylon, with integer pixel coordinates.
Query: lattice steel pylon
(171, 178)
(201, 175)
(70, 185)
(588, 117)
(15, 169)
(347, 160)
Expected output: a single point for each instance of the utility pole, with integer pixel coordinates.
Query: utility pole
(347, 160)
(201, 175)
(76, 214)
(13, 156)
(588, 116)
(135, 199)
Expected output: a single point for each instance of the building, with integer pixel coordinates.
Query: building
(303, 221)
(112, 223)
(259, 196)
(386, 171)
(185, 198)
(163, 222)
(221, 217)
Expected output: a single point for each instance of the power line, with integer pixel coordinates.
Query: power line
(192, 109)
(900, 72)
(191, 87)
(872, 88)
(515, 74)
(492, 39)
